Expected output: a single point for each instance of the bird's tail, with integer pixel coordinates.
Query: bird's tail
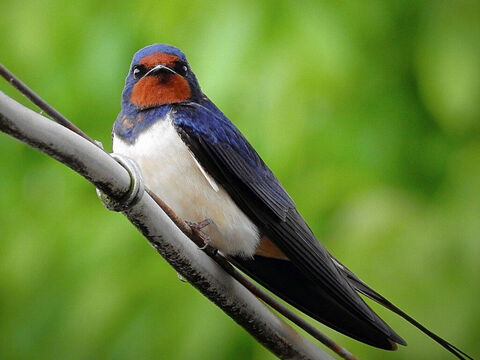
(285, 280)
(366, 290)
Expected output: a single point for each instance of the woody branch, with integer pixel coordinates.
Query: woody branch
(198, 268)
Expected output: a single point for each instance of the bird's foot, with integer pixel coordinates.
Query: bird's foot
(197, 230)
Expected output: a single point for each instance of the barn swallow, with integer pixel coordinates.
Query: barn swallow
(199, 163)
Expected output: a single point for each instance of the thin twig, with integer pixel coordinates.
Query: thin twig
(186, 229)
(42, 104)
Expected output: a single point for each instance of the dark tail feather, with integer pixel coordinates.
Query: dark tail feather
(286, 281)
(363, 288)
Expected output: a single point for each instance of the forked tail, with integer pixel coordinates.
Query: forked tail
(364, 289)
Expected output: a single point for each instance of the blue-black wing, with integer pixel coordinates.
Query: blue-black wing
(228, 157)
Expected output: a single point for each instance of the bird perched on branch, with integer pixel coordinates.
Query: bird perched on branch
(199, 163)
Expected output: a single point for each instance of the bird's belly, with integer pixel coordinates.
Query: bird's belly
(170, 170)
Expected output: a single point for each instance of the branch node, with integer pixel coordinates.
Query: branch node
(135, 192)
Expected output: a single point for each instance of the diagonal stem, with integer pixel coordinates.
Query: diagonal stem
(42, 104)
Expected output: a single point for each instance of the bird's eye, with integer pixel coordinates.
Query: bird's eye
(181, 68)
(138, 71)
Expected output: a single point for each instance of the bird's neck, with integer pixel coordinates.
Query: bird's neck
(131, 122)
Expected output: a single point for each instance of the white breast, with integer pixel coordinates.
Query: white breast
(171, 171)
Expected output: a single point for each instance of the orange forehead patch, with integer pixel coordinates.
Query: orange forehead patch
(159, 58)
(154, 91)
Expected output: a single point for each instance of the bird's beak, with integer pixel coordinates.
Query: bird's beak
(159, 68)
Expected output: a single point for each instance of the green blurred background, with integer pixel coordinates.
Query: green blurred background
(367, 111)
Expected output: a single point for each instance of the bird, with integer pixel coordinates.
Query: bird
(197, 161)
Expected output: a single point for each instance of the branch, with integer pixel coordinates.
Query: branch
(197, 267)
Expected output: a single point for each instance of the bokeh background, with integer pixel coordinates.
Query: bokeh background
(368, 112)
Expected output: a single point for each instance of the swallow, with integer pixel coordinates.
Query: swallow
(195, 159)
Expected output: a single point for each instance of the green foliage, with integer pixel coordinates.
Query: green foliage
(368, 111)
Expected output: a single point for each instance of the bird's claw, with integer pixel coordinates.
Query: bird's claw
(197, 230)
(199, 225)
(204, 246)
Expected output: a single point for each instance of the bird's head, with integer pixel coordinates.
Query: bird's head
(159, 75)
